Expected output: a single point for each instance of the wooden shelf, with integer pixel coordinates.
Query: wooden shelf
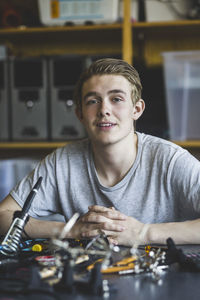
(31, 145)
(100, 27)
(32, 30)
(188, 144)
(41, 149)
(28, 149)
(152, 38)
(52, 145)
(80, 40)
(167, 24)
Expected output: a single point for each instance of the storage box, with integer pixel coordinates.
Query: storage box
(61, 12)
(182, 86)
(28, 93)
(160, 10)
(64, 72)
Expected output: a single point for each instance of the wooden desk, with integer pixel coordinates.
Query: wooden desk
(174, 285)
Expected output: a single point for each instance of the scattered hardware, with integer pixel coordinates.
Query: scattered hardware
(10, 244)
(185, 262)
(60, 265)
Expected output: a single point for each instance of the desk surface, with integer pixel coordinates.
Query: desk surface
(174, 284)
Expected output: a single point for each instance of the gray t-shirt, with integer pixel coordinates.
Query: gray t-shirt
(163, 184)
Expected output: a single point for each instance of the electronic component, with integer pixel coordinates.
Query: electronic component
(10, 243)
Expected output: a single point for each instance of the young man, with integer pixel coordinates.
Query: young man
(117, 179)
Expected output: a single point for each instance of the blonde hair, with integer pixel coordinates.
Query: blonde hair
(109, 66)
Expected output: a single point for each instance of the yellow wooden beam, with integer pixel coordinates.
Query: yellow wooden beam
(31, 145)
(127, 49)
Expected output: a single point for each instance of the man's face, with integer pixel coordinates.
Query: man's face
(107, 109)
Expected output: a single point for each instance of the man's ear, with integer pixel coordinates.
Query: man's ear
(138, 109)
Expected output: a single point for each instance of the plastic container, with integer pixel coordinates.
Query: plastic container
(61, 12)
(182, 87)
(160, 10)
(12, 171)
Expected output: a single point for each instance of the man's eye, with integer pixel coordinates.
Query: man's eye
(117, 99)
(92, 101)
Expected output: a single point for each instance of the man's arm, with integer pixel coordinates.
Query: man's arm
(133, 231)
(43, 229)
(35, 228)
(186, 232)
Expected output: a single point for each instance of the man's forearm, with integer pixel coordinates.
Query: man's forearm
(34, 228)
(5, 221)
(181, 232)
(43, 229)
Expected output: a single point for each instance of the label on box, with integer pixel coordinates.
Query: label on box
(55, 9)
(59, 12)
(76, 9)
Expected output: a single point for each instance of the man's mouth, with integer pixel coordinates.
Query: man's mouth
(105, 124)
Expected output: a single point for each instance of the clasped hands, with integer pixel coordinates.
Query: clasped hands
(119, 228)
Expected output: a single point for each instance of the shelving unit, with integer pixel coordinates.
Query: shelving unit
(29, 149)
(31, 145)
(150, 39)
(139, 41)
(53, 145)
(82, 40)
(8, 149)
(113, 39)
(188, 144)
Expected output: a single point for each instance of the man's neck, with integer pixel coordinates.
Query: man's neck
(113, 162)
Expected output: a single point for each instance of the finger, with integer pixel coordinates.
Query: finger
(90, 233)
(110, 213)
(114, 215)
(112, 207)
(93, 217)
(103, 222)
(112, 240)
(98, 208)
(95, 232)
(110, 229)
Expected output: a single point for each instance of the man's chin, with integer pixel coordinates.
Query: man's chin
(104, 141)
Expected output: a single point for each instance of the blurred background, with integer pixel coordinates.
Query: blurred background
(45, 45)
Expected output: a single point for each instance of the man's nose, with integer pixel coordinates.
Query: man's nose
(104, 109)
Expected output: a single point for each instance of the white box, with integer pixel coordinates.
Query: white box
(160, 10)
(182, 87)
(3, 52)
(12, 171)
(61, 12)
